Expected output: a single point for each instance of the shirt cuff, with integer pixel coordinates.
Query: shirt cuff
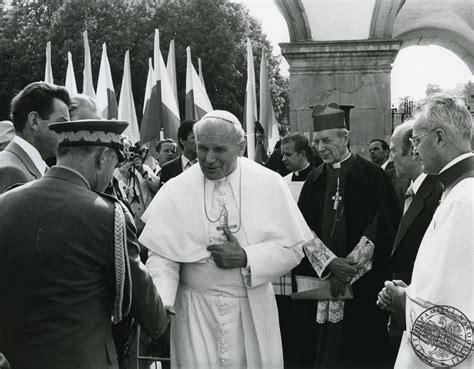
(246, 273)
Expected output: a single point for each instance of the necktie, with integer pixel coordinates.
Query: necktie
(408, 199)
(190, 164)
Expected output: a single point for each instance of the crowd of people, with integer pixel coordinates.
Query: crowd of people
(319, 258)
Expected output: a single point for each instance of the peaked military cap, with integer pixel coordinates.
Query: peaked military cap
(327, 117)
(90, 132)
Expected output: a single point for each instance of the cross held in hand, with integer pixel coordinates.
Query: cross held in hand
(224, 219)
(221, 228)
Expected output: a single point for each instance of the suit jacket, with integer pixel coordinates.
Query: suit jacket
(400, 185)
(389, 166)
(413, 226)
(171, 169)
(57, 276)
(16, 167)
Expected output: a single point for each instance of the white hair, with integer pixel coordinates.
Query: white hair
(447, 112)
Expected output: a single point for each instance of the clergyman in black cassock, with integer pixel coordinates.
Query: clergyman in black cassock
(350, 204)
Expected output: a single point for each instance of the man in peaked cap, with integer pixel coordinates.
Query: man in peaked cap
(69, 259)
(350, 205)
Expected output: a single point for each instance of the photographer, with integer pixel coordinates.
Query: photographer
(137, 182)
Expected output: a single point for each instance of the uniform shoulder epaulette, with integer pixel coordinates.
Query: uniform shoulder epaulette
(113, 199)
(106, 196)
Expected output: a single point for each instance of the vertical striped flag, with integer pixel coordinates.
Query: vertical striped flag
(48, 70)
(126, 107)
(70, 83)
(149, 83)
(197, 101)
(152, 116)
(267, 114)
(106, 99)
(170, 110)
(171, 69)
(161, 110)
(87, 84)
(201, 75)
(250, 103)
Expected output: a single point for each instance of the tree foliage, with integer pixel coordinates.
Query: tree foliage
(216, 31)
(431, 89)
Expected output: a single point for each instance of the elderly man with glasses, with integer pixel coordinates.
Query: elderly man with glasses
(439, 302)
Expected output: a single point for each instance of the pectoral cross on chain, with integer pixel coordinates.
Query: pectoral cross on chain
(224, 220)
(337, 197)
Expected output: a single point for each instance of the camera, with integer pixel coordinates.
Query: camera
(136, 151)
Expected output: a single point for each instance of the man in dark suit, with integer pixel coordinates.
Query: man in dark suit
(69, 259)
(187, 158)
(421, 201)
(379, 153)
(37, 105)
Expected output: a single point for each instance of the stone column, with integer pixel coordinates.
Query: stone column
(348, 73)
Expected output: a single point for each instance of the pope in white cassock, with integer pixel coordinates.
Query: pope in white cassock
(218, 234)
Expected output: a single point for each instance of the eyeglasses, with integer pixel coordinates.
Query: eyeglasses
(416, 140)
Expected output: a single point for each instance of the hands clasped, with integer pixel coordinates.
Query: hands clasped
(229, 254)
(343, 269)
(392, 296)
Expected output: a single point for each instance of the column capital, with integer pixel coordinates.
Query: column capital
(341, 56)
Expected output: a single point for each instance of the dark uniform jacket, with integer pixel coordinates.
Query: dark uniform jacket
(16, 167)
(57, 276)
(413, 227)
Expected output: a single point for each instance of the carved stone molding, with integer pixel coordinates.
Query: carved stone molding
(296, 19)
(383, 18)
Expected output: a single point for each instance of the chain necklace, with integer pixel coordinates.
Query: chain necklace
(224, 213)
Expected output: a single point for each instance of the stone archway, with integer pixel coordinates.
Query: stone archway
(355, 70)
(449, 24)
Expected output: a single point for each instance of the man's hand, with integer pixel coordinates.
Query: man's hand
(229, 254)
(343, 269)
(392, 296)
(138, 164)
(337, 286)
(125, 168)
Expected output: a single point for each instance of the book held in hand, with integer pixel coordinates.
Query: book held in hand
(318, 289)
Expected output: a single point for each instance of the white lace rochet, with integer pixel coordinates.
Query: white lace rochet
(320, 257)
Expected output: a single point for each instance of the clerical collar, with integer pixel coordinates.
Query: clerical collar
(298, 172)
(338, 164)
(455, 161)
(456, 168)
